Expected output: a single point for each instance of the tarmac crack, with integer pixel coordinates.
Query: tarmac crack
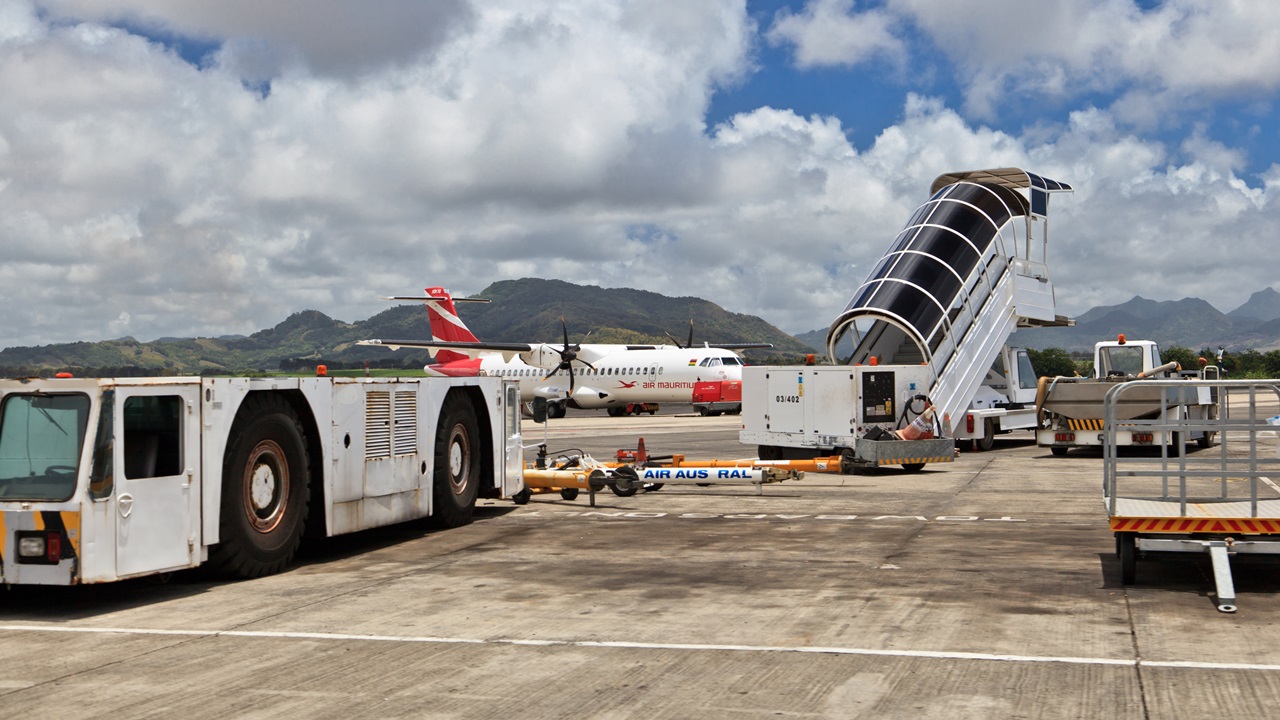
(934, 511)
(1137, 655)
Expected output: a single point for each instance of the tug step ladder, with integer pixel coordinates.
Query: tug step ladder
(966, 271)
(1221, 499)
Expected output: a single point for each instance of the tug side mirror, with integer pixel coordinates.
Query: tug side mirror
(539, 409)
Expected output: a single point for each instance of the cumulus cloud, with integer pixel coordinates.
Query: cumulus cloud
(142, 194)
(830, 32)
(1157, 58)
(329, 37)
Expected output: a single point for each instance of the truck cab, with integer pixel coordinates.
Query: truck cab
(1004, 402)
(1128, 358)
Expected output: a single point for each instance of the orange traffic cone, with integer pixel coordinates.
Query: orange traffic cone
(921, 428)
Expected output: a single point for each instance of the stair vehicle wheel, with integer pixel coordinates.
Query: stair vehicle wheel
(457, 463)
(988, 439)
(265, 489)
(769, 452)
(522, 497)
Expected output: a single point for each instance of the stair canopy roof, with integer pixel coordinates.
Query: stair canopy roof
(946, 258)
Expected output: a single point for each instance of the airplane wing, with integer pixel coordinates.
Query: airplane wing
(471, 349)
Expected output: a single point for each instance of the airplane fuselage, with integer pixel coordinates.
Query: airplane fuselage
(619, 375)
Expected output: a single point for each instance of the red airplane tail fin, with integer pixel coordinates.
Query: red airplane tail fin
(446, 325)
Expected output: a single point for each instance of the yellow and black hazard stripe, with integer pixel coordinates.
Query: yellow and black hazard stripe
(1254, 526)
(1085, 424)
(66, 524)
(914, 460)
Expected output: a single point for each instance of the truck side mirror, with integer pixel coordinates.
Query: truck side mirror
(539, 409)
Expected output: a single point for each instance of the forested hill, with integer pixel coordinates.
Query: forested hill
(527, 310)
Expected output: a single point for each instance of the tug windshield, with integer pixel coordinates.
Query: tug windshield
(40, 440)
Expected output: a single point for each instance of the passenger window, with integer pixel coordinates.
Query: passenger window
(152, 436)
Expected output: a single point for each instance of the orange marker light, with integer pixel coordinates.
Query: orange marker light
(1120, 338)
(321, 370)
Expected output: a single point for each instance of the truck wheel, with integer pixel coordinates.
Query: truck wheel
(913, 467)
(1128, 550)
(1206, 439)
(769, 452)
(265, 489)
(988, 439)
(1058, 451)
(457, 464)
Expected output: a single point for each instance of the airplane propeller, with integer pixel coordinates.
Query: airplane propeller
(688, 344)
(568, 355)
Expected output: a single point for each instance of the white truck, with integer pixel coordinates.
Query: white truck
(103, 479)
(926, 325)
(1006, 400)
(1069, 410)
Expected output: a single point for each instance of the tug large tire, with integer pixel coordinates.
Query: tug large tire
(265, 489)
(456, 479)
(457, 463)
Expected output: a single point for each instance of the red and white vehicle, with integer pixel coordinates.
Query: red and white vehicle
(718, 397)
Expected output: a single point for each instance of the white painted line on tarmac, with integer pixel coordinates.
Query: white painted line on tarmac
(1270, 484)
(625, 645)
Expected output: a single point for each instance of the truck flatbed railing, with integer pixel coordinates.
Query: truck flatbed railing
(1222, 498)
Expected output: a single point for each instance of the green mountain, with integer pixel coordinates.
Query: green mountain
(527, 310)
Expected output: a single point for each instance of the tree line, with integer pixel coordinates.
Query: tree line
(1053, 362)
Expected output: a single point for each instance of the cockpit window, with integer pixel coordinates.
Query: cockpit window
(731, 360)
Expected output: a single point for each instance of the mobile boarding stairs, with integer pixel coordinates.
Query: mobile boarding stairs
(931, 318)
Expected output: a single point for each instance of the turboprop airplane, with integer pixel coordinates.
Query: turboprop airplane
(617, 378)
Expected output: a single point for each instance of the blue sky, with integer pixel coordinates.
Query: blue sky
(185, 168)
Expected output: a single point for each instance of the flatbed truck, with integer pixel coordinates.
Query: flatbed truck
(1070, 410)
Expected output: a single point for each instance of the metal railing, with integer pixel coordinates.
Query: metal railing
(1236, 461)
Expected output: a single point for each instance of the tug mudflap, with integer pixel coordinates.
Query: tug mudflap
(905, 452)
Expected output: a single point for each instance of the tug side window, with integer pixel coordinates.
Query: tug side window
(152, 436)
